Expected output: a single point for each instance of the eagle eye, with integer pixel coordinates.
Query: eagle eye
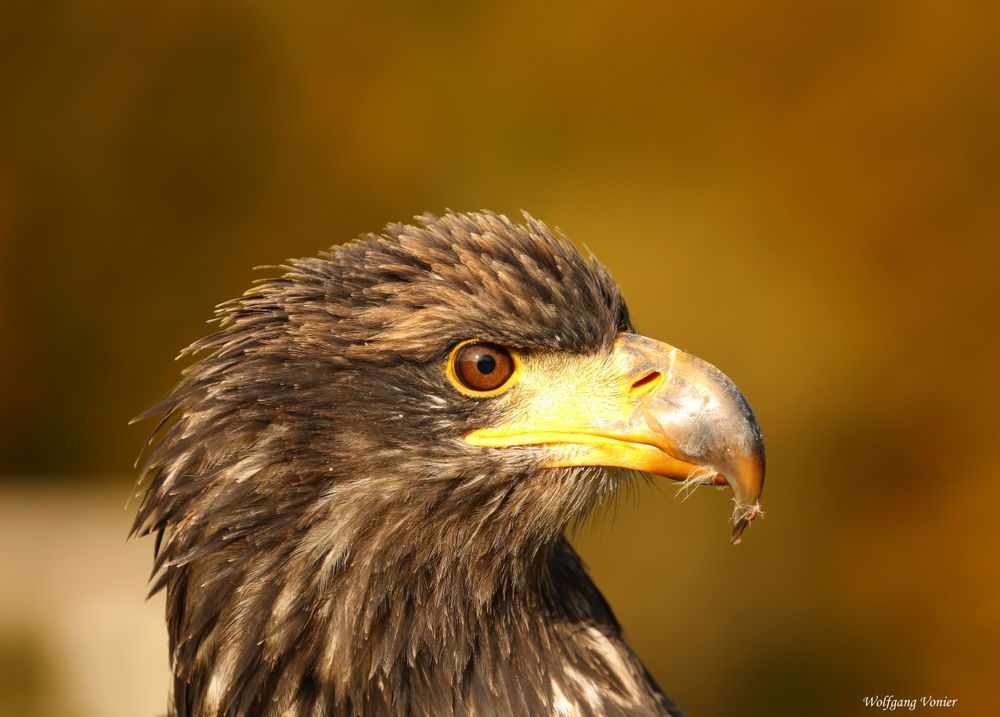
(481, 368)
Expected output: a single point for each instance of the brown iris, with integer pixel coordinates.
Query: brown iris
(483, 367)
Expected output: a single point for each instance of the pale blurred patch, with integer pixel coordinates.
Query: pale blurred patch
(76, 636)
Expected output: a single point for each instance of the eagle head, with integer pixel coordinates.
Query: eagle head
(359, 489)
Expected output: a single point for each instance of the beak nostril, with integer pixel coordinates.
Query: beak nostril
(646, 383)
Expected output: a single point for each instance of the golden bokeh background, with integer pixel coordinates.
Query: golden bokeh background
(806, 194)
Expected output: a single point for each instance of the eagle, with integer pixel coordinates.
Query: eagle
(360, 488)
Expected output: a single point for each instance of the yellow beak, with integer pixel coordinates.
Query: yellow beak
(648, 407)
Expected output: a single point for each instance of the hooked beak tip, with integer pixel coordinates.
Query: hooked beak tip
(743, 515)
(704, 420)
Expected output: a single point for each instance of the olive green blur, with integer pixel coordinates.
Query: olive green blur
(806, 195)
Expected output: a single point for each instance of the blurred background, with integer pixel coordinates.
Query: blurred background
(804, 194)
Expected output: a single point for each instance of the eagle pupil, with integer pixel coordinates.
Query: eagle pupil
(486, 364)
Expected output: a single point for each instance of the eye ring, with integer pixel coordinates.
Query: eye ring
(480, 368)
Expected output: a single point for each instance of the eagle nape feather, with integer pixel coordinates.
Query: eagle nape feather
(360, 486)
